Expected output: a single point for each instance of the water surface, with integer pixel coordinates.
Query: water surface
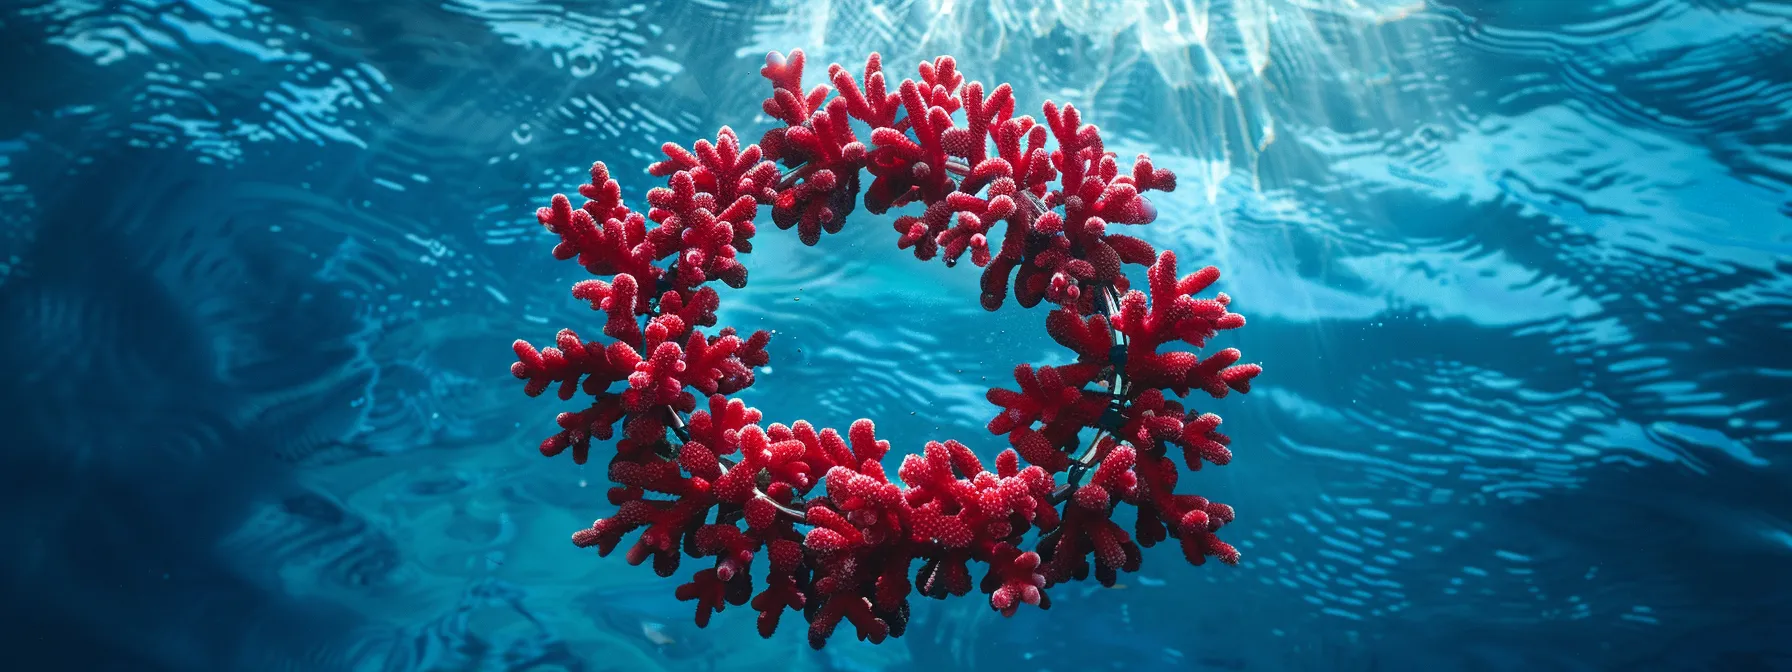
(1518, 273)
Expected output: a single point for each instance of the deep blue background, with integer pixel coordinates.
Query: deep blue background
(1517, 271)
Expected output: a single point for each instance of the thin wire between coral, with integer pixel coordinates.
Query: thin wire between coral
(1119, 390)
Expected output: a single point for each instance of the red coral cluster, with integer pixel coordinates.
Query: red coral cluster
(840, 540)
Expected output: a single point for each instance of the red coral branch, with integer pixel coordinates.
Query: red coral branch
(841, 541)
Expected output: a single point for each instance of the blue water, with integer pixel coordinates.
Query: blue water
(1520, 275)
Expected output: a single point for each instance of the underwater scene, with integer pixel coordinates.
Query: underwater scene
(886, 335)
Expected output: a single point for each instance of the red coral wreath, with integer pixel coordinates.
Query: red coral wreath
(738, 489)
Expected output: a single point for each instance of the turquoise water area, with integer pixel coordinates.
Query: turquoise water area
(1518, 272)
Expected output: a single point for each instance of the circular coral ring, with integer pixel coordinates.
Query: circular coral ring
(831, 533)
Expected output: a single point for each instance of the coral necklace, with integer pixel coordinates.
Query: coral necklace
(840, 539)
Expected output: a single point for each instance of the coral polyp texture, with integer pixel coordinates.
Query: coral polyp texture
(698, 474)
